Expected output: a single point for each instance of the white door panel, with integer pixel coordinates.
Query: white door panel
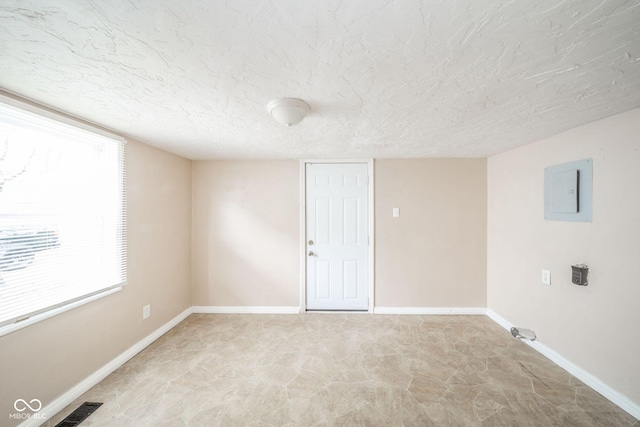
(337, 236)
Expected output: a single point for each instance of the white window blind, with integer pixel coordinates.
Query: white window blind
(62, 214)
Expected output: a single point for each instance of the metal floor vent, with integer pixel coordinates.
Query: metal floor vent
(80, 414)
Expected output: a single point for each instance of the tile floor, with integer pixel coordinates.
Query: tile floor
(343, 370)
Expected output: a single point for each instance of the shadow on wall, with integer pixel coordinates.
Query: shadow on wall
(253, 260)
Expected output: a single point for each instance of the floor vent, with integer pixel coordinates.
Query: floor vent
(80, 414)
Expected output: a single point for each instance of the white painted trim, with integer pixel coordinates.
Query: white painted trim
(336, 160)
(354, 312)
(34, 107)
(372, 237)
(586, 377)
(431, 310)
(499, 319)
(66, 398)
(249, 309)
(303, 236)
(303, 227)
(8, 329)
(83, 386)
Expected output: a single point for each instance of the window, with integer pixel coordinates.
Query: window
(62, 214)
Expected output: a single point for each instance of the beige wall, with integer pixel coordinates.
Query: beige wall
(46, 359)
(246, 233)
(595, 327)
(231, 230)
(434, 254)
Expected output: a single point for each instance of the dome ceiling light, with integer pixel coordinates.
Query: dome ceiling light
(288, 111)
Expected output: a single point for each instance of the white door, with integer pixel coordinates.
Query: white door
(337, 236)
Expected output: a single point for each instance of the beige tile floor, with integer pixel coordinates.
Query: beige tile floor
(343, 370)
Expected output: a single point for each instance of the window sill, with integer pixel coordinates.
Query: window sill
(8, 329)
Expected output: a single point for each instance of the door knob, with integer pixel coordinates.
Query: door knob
(311, 253)
(310, 242)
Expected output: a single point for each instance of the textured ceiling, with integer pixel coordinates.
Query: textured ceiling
(383, 78)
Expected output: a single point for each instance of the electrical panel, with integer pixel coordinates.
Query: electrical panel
(568, 191)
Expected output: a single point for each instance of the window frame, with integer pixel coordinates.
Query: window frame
(82, 125)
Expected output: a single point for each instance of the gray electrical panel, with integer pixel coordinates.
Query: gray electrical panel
(568, 191)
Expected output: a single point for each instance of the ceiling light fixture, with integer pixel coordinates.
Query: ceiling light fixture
(288, 111)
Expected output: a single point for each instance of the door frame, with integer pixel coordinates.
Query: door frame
(303, 227)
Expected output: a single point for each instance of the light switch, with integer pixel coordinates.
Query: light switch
(396, 212)
(546, 277)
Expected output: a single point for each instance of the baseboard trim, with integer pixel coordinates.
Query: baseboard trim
(83, 386)
(252, 309)
(65, 399)
(595, 383)
(431, 310)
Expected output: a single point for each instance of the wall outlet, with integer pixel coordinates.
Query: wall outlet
(396, 212)
(146, 311)
(546, 277)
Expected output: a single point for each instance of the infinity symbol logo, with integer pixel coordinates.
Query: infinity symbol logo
(21, 405)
